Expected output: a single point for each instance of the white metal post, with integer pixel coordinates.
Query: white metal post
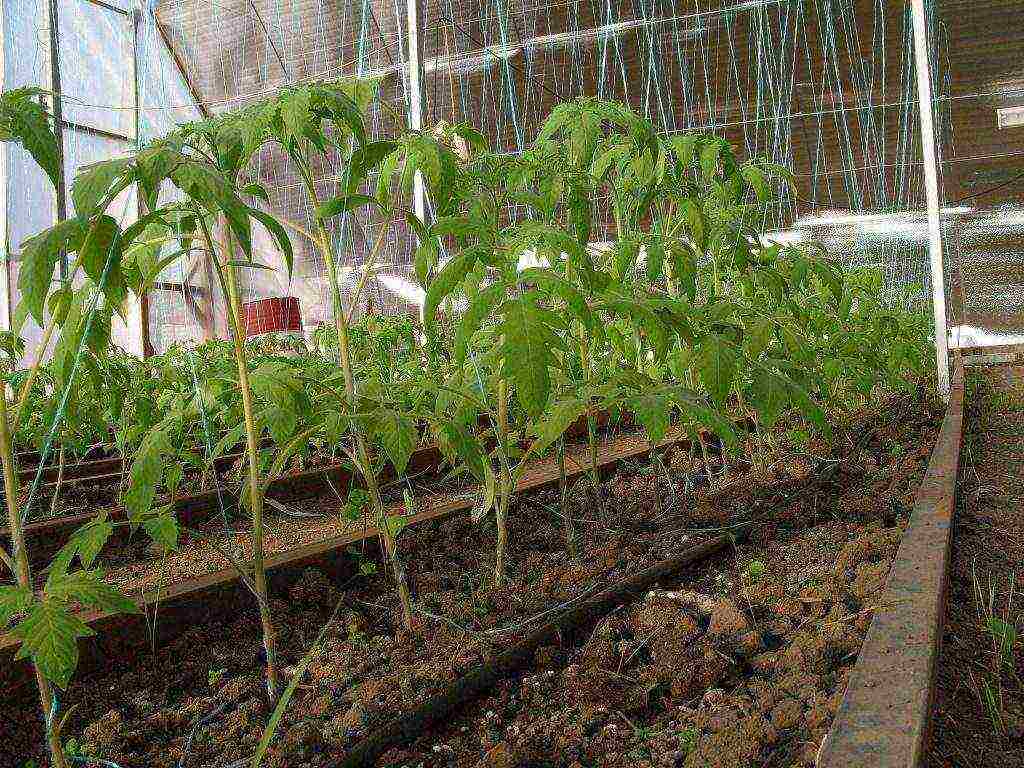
(415, 100)
(5, 266)
(931, 185)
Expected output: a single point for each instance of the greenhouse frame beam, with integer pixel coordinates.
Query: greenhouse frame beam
(929, 158)
(193, 91)
(5, 273)
(415, 99)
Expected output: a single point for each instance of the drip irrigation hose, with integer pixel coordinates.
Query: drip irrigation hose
(410, 726)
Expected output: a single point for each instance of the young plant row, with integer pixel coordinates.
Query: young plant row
(606, 267)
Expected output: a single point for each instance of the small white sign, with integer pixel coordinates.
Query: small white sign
(1010, 117)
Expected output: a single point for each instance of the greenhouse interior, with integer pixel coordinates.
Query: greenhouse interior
(512, 383)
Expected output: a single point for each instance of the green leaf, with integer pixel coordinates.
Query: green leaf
(370, 155)
(709, 156)
(343, 204)
(759, 336)
(13, 600)
(295, 112)
(49, 635)
(652, 411)
(458, 442)
(768, 396)
(93, 182)
(684, 148)
(39, 258)
(479, 309)
(88, 541)
(756, 180)
(102, 245)
(89, 589)
(716, 365)
(28, 122)
(557, 419)
(163, 530)
(558, 286)
(458, 226)
(397, 435)
(283, 241)
(146, 472)
(654, 260)
(528, 351)
(446, 281)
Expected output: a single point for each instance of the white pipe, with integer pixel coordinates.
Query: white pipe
(931, 186)
(5, 274)
(415, 100)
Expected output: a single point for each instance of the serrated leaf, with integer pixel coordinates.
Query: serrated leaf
(146, 472)
(93, 182)
(162, 529)
(759, 336)
(274, 227)
(39, 257)
(49, 635)
(478, 311)
(715, 363)
(527, 347)
(295, 112)
(652, 411)
(102, 246)
(558, 286)
(709, 156)
(89, 589)
(29, 124)
(88, 541)
(557, 419)
(684, 148)
(13, 600)
(767, 396)
(445, 281)
(756, 180)
(397, 435)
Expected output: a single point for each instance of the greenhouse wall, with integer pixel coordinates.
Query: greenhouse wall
(824, 87)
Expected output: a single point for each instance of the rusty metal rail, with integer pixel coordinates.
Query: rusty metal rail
(884, 718)
(196, 599)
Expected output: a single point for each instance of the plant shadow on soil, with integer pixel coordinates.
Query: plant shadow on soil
(739, 661)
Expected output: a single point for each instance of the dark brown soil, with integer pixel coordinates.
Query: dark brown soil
(738, 662)
(978, 713)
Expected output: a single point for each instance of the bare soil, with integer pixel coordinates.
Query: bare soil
(978, 712)
(740, 661)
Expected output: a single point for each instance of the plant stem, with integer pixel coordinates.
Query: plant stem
(23, 570)
(252, 450)
(595, 476)
(341, 322)
(563, 492)
(504, 486)
(60, 478)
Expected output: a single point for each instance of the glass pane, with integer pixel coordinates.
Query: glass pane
(26, 48)
(164, 98)
(96, 70)
(80, 149)
(31, 202)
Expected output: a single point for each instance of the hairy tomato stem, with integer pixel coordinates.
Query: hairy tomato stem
(23, 570)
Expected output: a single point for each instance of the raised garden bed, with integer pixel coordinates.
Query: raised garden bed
(740, 660)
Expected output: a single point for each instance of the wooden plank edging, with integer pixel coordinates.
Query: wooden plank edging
(885, 714)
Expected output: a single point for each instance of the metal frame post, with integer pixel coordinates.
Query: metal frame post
(929, 160)
(415, 93)
(5, 273)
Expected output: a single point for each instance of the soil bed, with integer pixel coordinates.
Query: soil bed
(740, 661)
(978, 711)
